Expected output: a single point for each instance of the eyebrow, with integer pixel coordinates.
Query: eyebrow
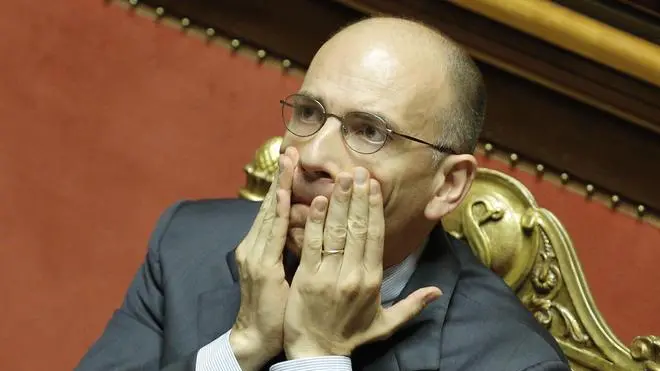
(390, 123)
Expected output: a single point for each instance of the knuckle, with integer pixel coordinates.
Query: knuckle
(350, 287)
(254, 269)
(316, 218)
(268, 217)
(336, 232)
(308, 286)
(257, 275)
(266, 203)
(341, 197)
(247, 272)
(314, 242)
(248, 265)
(240, 256)
(316, 288)
(358, 227)
(306, 289)
(360, 197)
(375, 235)
(372, 284)
(279, 230)
(240, 261)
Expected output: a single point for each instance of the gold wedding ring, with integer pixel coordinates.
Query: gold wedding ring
(332, 252)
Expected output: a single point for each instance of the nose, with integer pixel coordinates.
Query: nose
(322, 155)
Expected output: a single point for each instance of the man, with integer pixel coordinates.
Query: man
(345, 266)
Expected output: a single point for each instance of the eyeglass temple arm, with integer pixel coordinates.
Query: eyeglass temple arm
(440, 148)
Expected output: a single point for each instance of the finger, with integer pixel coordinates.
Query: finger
(269, 199)
(293, 154)
(400, 313)
(286, 167)
(313, 241)
(358, 219)
(275, 244)
(278, 233)
(373, 249)
(252, 235)
(267, 212)
(334, 234)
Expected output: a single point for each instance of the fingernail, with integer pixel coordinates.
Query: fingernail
(361, 176)
(431, 296)
(374, 187)
(345, 183)
(320, 205)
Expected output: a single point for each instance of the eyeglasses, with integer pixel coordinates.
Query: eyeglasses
(363, 132)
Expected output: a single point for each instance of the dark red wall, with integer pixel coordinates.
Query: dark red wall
(107, 118)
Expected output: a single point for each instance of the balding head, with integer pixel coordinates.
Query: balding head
(443, 83)
(425, 89)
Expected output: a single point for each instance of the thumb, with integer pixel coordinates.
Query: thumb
(405, 310)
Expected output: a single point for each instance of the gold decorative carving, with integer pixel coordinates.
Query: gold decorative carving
(530, 249)
(262, 170)
(547, 280)
(646, 349)
(496, 228)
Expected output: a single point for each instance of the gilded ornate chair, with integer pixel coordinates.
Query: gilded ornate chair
(530, 249)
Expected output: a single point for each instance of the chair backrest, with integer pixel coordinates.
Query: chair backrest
(531, 250)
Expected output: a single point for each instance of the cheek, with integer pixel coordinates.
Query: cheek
(406, 196)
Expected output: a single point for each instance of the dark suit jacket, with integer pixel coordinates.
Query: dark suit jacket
(186, 294)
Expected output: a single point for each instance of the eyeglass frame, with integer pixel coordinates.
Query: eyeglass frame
(387, 127)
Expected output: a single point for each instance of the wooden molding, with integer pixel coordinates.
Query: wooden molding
(575, 32)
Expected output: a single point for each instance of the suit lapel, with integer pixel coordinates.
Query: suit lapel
(417, 345)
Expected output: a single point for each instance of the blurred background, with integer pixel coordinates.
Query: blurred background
(112, 111)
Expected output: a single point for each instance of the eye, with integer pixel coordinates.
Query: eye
(308, 113)
(368, 130)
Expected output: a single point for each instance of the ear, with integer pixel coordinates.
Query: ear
(451, 183)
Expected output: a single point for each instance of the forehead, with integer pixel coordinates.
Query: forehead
(376, 81)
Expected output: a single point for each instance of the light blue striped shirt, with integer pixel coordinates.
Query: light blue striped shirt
(218, 355)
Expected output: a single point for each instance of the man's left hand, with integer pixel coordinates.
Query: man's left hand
(334, 301)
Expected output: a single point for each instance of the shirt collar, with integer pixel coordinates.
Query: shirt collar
(397, 276)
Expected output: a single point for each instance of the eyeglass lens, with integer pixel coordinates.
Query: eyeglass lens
(362, 131)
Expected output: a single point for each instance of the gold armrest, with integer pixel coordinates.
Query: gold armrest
(531, 250)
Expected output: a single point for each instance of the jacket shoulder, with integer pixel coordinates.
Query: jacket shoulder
(199, 224)
(193, 238)
(486, 314)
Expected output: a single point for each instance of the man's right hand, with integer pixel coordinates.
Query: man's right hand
(256, 336)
